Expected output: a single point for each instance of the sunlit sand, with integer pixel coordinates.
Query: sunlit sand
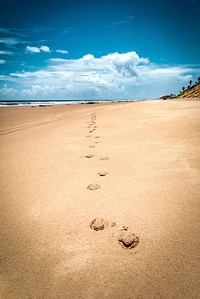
(116, 220)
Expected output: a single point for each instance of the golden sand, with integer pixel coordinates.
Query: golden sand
(150, 153)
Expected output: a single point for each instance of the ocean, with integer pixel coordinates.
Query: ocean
(8, 103)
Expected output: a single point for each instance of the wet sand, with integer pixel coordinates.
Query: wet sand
(134, 165)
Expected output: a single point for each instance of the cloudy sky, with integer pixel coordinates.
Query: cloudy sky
(98, 49)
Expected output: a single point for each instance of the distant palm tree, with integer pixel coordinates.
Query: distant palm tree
(190, 82)
(183, 88)
(188, 87)
(199, 79)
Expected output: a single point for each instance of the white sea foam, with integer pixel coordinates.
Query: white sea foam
(11, 103)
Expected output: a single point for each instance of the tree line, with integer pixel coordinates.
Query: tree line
(190, 85)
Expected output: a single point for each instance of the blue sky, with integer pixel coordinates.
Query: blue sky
(98, 49)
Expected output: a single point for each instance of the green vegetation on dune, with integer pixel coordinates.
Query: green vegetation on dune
(190, 91)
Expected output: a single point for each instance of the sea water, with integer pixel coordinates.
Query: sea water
(8, 103)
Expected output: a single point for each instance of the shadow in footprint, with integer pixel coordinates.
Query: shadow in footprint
(104, 158)
(89, 156)
(93, 187)
(102, 173)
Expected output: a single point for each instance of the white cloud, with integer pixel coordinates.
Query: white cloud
(62, 51)
(30, 49)
(13, 31)
(7, 91)
(38, 29)
(112, 76)
(37, 90)
(6, 53)
(2, 61)
(9, 41)
(96, 75)
(116, 23)
(45, 49)
(117, 64)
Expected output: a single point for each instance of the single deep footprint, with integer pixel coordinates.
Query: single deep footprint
(98, 224)
(93, 187)
(102, 173)
(97, 136)
(128, 239)
(91, 146)
(89, 156)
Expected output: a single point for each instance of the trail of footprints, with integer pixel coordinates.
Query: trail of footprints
(92, 128)
(126, 238)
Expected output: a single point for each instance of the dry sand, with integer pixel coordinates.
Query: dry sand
(150, 154)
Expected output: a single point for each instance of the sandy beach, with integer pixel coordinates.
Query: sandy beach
(142, 163)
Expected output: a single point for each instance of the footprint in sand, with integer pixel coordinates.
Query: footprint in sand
(89, 136)
(98, 224)
(93, 187)
(89, 156)
(104, 158)
(102, 173)
(91, 146)
(97, 136)
(97, 142)
(128, 239)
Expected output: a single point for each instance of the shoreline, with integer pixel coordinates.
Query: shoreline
(43, 103)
